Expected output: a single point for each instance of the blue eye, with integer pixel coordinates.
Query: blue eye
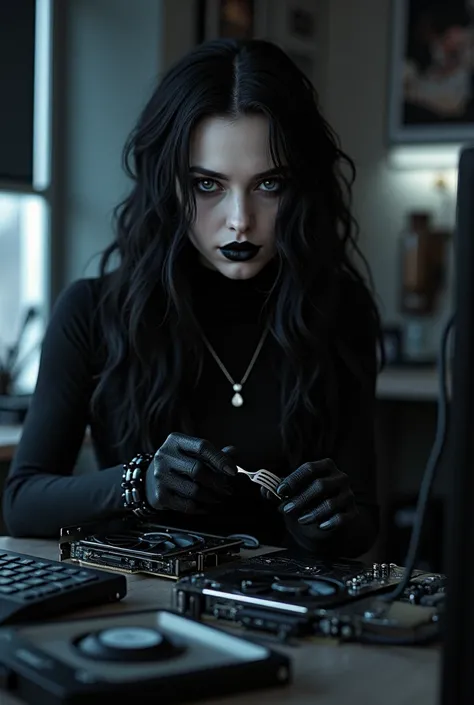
(206, 185)
(271, 185)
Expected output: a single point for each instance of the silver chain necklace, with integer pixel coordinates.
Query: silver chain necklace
(237, 399)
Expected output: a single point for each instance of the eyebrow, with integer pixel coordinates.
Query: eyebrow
(276, 171)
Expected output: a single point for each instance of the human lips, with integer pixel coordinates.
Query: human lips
(240, 251)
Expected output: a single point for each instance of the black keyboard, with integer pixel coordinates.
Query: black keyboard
(33, 588)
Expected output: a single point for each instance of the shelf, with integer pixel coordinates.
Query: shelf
(408, 384)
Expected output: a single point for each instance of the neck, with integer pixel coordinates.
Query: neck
(217, 298)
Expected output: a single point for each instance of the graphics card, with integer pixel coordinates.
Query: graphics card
(136, 546)
(288, 596)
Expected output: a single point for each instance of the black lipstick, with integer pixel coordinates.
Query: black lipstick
(240, 251)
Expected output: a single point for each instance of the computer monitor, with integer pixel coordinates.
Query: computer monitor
(457, 672)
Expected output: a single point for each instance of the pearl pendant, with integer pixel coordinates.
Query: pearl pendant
(237, 399)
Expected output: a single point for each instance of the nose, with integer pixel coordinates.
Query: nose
(239, 217)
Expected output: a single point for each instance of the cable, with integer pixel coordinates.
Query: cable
(248, 540)
(431, 467)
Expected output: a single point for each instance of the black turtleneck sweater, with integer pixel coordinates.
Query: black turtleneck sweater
(41, 493)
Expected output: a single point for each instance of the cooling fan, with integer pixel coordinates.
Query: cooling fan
(277, 586)
(273, 586)
(154, 541)
(140, 657)
(339, 571)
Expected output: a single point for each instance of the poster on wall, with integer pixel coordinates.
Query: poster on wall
(301, 23)
(431, 86)
(226, 18)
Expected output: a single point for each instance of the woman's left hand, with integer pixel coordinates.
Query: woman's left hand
(319, 494)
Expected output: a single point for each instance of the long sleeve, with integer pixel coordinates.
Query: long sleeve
(354, 451)
(41, 494)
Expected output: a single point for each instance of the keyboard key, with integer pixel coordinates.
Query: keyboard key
(58, 577)
(59, 586)
(66, 584)
(47, 589)
(33, 582)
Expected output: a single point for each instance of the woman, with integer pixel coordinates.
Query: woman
(234, 329)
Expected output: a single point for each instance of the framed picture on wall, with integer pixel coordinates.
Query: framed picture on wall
(431, 85)
(227, 18)
(300, 20)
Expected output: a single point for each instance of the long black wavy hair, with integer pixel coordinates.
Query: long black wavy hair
(151, 341)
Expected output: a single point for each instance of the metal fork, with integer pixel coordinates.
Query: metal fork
(263, 477)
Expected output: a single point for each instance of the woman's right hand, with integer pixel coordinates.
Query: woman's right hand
(188, 475)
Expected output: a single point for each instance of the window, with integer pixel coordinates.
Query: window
(24, 202)
(23, 282)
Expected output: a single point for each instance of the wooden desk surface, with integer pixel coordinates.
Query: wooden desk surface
(323, 673)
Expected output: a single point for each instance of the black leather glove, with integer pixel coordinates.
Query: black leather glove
(318, 494)
(189, 475)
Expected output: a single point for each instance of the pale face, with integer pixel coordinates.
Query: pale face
(237, 190)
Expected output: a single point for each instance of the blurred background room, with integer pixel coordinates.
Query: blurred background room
(395, 80)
